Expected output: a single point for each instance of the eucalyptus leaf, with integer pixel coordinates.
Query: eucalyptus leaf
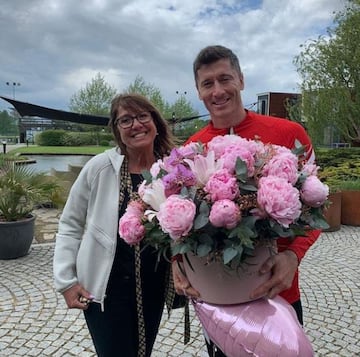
(203, 250)
(241, 170)
(229, 254)
(147, 176)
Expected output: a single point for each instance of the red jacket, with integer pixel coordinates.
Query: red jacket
(275, 131)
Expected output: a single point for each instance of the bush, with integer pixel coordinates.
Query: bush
(50, 138)
(104, 143)
(338, 167)
(70, 138)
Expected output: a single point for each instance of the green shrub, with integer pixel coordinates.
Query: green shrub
(339, 167)
(50, 138)
(104, 143)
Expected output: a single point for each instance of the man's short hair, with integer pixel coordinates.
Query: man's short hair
(211, 54)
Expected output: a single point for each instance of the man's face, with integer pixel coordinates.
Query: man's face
(219, 86)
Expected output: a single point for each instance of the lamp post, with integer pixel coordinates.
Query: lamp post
(14, 85)
(181, 94)
(181, 99)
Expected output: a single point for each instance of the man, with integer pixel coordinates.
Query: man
(219, 82)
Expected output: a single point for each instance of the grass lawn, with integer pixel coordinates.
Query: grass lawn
(64, 150)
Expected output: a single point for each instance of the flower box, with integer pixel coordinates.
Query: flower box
(221, 285)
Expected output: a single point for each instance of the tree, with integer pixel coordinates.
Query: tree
(94, 99)
(330, 72)
(181, 108)
(149, 91)
(8, 124)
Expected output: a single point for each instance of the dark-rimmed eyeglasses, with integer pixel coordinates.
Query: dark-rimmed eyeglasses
(127, 121)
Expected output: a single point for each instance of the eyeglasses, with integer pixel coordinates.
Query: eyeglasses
(127, 121)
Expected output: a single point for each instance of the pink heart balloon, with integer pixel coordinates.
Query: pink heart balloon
(261, 328)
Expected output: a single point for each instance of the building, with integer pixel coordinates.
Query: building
(276, 104)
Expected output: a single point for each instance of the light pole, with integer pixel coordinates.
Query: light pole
(178, 106)
(14, 85)
(181, 99)
(21, 134)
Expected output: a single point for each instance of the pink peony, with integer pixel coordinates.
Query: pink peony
(222, 185)
(136, 208)
(189, 151)
(176, 216)
(283, 165)
(224, 213)
(310, 169)
(220, 143)
(313, 192)
(232, 153)
(279, 199)
(131, 229)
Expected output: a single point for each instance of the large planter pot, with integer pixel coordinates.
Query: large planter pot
(218, 284)
(333, 213)
(350, 208)
(16, 238)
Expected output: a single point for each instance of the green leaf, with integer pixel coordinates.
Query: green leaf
(203, 250)
(247, 187)
(320, 223)
(202, 219)
(147, 176)
(241, 170)
(229, 254)
(299, 149)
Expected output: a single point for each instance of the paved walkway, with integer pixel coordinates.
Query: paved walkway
(34, 320)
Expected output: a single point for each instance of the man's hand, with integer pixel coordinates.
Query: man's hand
(77, 297)
(181, 282)
(283, 267)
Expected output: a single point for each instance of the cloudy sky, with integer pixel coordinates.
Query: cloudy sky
(52, 48)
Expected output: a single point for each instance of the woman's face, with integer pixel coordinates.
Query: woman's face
(137, 129)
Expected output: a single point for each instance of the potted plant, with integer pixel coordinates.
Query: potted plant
(350, 198)
(21, 190)
(340, 170)
(332, 210)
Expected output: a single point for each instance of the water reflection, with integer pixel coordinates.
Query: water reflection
(44, 163)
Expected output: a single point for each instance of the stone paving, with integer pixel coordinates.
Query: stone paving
(34, 320)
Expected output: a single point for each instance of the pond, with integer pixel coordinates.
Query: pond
(44, 163)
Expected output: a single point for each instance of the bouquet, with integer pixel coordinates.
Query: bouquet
(221, 200)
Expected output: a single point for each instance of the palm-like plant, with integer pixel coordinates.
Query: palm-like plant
(22, 189)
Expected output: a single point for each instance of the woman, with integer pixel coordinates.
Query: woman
(94, 269)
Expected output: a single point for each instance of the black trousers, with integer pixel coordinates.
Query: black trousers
(214, 351)
(114, 331)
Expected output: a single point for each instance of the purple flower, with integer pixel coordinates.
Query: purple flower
(175, 180)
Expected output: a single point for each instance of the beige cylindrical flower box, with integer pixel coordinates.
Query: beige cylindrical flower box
(218, 284)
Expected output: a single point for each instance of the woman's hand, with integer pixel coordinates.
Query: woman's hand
(181, 282)
(77, 297)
